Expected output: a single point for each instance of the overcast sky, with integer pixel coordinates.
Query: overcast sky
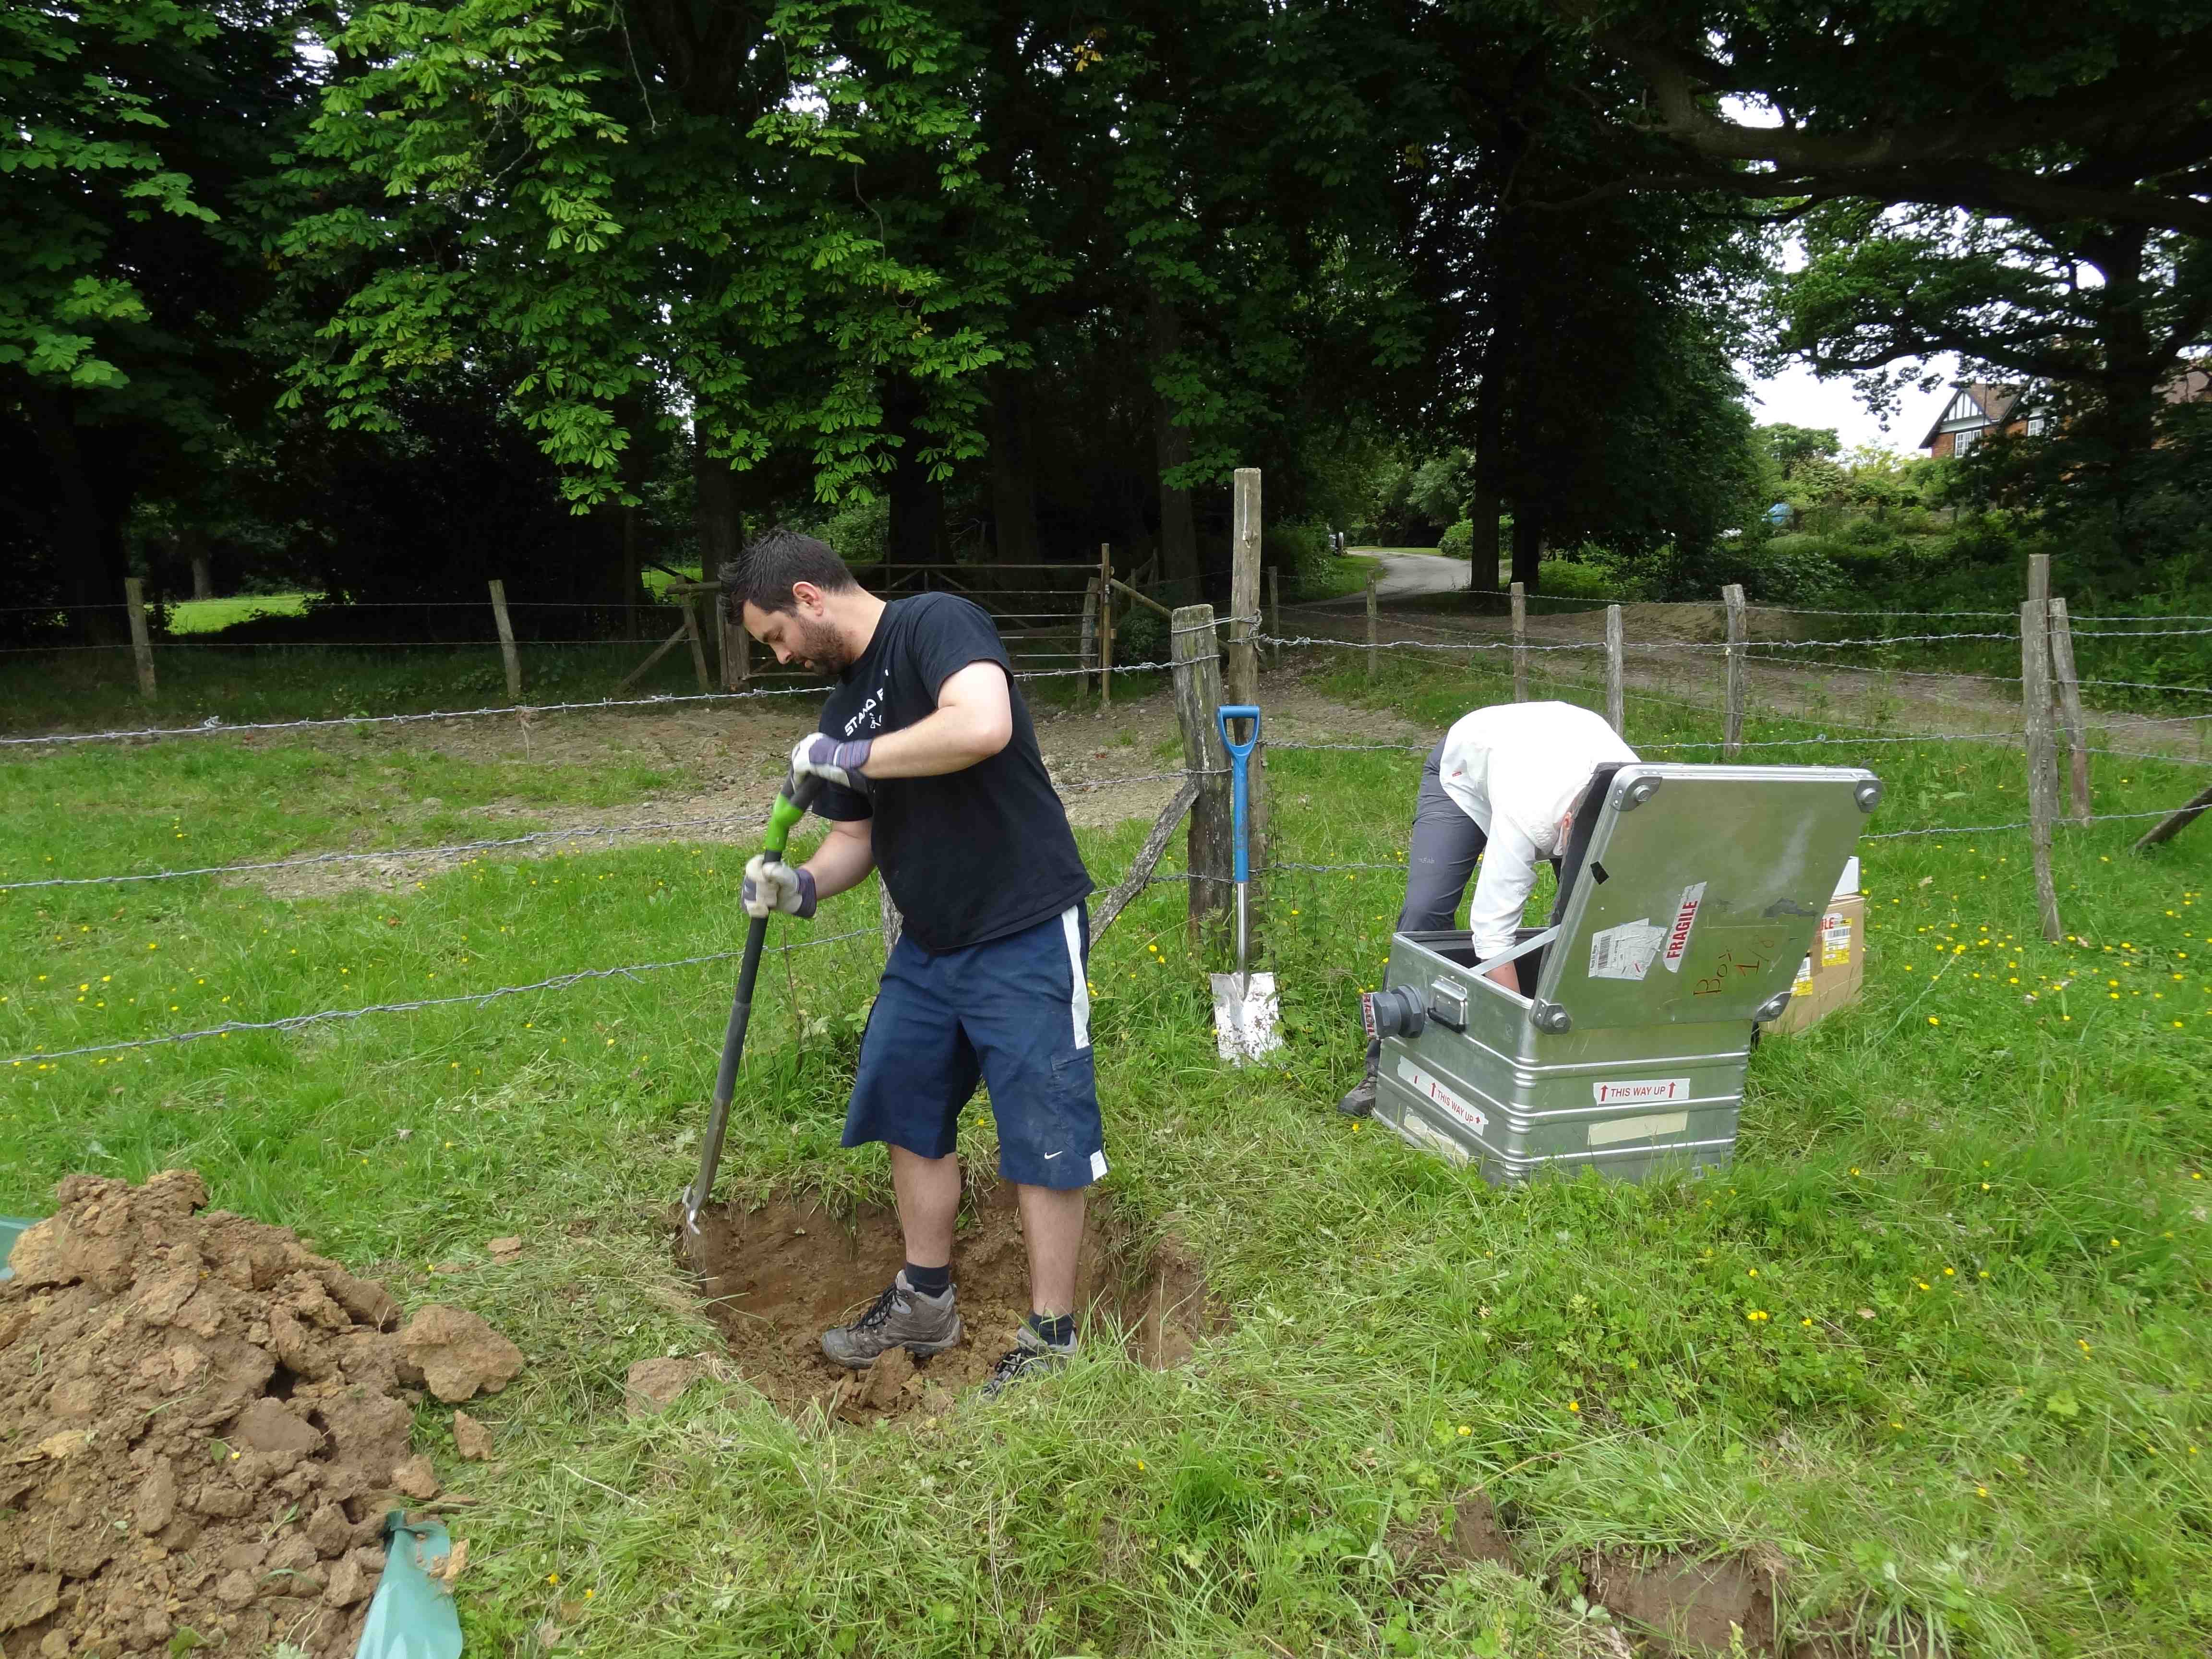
(1796, 396)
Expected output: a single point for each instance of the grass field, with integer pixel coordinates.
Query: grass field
(206, 615)
(1969, 1213)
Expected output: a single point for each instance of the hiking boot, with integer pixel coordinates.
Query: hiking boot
(1360, 1100)
(1031, 1355)
(903, 1318)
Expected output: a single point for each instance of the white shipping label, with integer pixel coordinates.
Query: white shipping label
(1638, 1128)
(1685, 918)
(1626, 951)
(1637, 1092)
(1802, 985)
(1425, 1134)
(1429, 1088)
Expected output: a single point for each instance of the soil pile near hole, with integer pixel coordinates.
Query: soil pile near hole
(775, 1277)
(201, 1426)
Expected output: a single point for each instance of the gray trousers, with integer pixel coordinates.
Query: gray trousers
(1441, 860)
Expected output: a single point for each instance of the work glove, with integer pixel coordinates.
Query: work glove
(772, 884)
(825, 757)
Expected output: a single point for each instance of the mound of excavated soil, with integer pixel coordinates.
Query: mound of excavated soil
(202, 1425)
(775, 1277)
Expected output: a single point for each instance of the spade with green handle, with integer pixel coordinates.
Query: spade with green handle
(792, 801)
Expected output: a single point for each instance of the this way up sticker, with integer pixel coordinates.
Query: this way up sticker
(1686, 917)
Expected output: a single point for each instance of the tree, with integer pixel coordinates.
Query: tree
(1791, 447)
(2035, 195)
(733, 215)
(139, 134)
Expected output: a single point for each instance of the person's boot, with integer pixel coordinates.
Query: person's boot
(903, 1318)
(1360, 1100)
(1031, 1356)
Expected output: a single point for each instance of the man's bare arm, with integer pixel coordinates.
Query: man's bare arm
(843, 859)
(974, 720)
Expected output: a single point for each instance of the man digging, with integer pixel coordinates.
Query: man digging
(931, 776)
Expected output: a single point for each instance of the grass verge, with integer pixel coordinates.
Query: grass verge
(1971, 1208)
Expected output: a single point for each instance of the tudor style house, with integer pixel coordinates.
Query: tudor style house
(1979, 408)
(1976, 410)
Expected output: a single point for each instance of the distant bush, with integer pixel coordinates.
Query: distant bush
(1302, 552)
(1141, 635)
(1458, 541)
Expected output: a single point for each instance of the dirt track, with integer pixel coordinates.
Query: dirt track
(729, 758)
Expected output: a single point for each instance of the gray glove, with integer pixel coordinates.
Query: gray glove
(840, 763)
(771, 884)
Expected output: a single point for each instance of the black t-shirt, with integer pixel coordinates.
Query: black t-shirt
(972, 855)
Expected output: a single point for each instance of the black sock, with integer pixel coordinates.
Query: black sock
(930, 1281)
(1059, 1332)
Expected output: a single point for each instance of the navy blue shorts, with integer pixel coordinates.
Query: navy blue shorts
(1014, 1013)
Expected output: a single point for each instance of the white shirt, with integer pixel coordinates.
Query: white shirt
(1516, 769)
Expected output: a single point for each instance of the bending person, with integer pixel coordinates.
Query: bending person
(1499, 790)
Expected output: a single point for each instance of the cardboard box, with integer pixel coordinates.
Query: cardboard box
(1834, 970)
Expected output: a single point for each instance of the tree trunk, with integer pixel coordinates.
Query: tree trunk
(1179, 561)
(917, 511)
(203, 577)
(1013, 474)
(715, 517)
(2126, 426)
(87, 519)
(1527, 544)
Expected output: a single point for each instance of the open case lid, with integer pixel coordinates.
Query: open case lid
(1698, 898)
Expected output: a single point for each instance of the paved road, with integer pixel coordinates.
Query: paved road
(1408, 575)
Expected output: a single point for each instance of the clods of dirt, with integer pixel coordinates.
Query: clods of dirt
(652, 1386)
(775, 1277)
(456, 1354)
(202, 1425)
(1685, 1608)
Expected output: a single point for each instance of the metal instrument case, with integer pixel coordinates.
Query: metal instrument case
(1695, 903)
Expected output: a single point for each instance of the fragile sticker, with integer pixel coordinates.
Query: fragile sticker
(1430, 1090)
(1685, 918)
(1641, 1092)
(1626, 951)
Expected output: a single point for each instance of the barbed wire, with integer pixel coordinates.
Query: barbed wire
(213, 726)
(395, 855)
(463, 849)
(294, 1022)
(2152, 685)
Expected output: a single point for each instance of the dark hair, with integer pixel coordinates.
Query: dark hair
(763, 574)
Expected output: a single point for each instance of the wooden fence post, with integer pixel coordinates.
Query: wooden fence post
(2038, 579)
(507, 650)
(1197, 695)
(1240, 674)
(698, 645)
(1275, 617)
(2042, 770)
(894, 923)
(1106, 624)
(141, 643)
(1738, 632)
(1086, 649)
(1519, 643)
(2167, 828)
(1372, 636)
(2070, 721)
(1616, 709)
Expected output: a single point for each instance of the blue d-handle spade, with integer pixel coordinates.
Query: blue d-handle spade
(1240, 810)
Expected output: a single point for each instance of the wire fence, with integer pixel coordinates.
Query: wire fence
(1831, 734)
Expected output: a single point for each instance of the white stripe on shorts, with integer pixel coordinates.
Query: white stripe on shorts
(1078, 1003)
